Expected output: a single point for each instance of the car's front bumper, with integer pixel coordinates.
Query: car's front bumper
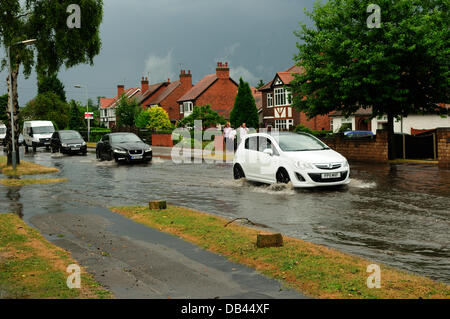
(146, 156)
(74, 149)
(314, 178)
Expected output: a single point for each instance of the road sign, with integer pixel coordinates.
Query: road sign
(88, 115)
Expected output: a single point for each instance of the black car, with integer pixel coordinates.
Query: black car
(123, 147)
(68, 142)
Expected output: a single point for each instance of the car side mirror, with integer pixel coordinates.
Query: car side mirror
(268, 151)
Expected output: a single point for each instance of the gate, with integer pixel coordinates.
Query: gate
(420, 146)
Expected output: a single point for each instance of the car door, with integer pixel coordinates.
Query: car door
(267, 164)
(105, 147)
(250, 161)
(54, 141)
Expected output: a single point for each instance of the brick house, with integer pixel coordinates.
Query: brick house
(108, 105)
(217, 89)
(167, 95)
(277, 110)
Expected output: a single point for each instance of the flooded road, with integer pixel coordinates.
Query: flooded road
(395, 214)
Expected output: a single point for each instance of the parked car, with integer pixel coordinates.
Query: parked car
(359, 134)
(284, 157)
(123, 147)
(2, 134)
(68, 142)
(20, 140)
(37, 134)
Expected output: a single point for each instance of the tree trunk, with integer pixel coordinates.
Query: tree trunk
(9, 146)
(391, 137)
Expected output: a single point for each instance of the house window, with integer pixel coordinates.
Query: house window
(283, 125)
(331, 125)
(188, 107)
(347, 120)
(269, 100)
(280, 97)
(181, 108)
(288, 97)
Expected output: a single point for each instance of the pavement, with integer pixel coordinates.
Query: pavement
(136, 261)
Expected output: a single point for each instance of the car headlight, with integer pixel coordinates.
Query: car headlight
(64, 145)
(120, 151)
(84, 143)
(345, 164)
(303, 165)
(149, 150)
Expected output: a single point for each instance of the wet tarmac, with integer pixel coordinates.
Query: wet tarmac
(395, 214)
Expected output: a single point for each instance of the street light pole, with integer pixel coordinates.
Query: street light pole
(87, 108)
(11, 104)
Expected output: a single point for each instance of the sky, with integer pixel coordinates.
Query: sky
(157, 38)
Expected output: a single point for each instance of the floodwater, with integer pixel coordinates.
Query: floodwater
(395, 214)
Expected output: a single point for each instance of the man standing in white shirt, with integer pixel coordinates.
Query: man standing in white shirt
(229, 137)
(243, 131)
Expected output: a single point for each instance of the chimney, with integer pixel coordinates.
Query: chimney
(120, 90)
(186, 78)
(222, 70)
(144, 84)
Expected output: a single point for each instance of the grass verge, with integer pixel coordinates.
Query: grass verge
(312, 269)
(31, 267)
(13, 182)
(25, 168)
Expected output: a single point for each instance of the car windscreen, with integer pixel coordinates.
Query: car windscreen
(2, 130)
(125, 138)
(70, 135)
(43, 129)
(300, 142)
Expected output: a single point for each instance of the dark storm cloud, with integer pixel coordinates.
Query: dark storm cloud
(155, 38)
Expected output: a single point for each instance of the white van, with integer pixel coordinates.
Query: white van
(2, 134)
(37, 134)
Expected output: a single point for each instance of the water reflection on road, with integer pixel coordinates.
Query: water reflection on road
(396, 214)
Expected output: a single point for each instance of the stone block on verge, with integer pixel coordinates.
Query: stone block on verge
(269, 240)
(158, 204)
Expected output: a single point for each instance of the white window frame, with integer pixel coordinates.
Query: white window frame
(280, 97)
(269, 100)
(288, 97)
(181, 108)
(284, 124)
(188, 107)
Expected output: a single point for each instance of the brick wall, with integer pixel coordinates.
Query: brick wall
(317, 123)
(443, 144)
(220, 96)
(374, 150)
(162, 140)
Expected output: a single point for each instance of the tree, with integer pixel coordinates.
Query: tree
(126, 112)
(57, 44)
(51, 84)
(76, 116)
(154, 118)
(47, 106)
(260, 84)
(244, 109)
(3, 108)
(397, 69)
(204, 113)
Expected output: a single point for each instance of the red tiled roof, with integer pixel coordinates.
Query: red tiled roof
(165, 93)
(286, 76)
(199, 88)
(360, 112)
(151, 89)
(129, 93)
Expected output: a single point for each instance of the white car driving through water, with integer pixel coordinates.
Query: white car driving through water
(283, 157)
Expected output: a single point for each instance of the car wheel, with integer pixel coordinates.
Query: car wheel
(26, 148)
(282, 176)
(111, 156)
(238, 172)
(34, 148)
